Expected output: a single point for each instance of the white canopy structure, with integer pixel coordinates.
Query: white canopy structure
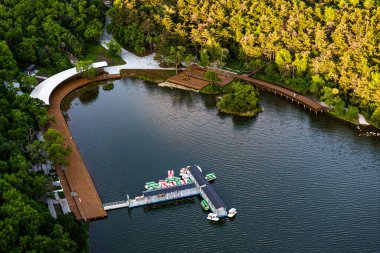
(44, 89)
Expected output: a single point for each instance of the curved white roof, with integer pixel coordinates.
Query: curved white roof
(44, 89)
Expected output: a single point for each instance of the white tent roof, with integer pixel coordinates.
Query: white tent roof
(44, 89)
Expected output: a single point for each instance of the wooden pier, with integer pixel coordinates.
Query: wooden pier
(282, 91)
(154, 197)
(199, 187)
(80, 192)
(195, 79)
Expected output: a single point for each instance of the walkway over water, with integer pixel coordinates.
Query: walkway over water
(194, 78)
(294, 96)
(200, 187)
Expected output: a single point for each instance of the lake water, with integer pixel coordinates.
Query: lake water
(300, 182)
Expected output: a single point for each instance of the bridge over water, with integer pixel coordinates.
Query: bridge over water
(282, 91)
(200, 186)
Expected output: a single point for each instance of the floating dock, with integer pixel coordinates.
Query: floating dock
(199, 186)
(207, 192)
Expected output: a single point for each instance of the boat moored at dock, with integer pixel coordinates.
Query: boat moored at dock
(212, 217)
(191, 182)
(210, 177)
(231, 213)
(205, 205)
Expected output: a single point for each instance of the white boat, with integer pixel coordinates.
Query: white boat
(232, 212)
(184, 171)
(212, 217)
(185, 176)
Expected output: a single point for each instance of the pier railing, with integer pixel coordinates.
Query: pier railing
(115, 203)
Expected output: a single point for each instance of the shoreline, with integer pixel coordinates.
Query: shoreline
(86, 203)
(249, 114)
(359, 122)
(79, 190)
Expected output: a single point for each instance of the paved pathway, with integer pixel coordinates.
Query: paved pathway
(132, 61)
(362, 120)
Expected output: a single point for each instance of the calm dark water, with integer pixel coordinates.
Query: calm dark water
(300, 182)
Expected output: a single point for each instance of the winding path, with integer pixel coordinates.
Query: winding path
(45, 88)
(132, 61)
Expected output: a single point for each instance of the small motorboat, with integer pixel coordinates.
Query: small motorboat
(231, 213)
(212, 217)
(185, 176)
(210, 177)
(183, 171)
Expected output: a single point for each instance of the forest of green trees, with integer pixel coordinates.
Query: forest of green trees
(25, 222)
(328, 48)
(45, 32)
(240, 99)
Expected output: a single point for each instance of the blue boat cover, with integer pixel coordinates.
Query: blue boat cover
(198, 175)
(213, 197)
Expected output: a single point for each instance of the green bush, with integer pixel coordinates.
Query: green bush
(211, 76)
(243, 100)
(212, 89)
(114, 48)
(375, 118)
(61, 195)
(339, 109)
(352, 113)
(108, 86)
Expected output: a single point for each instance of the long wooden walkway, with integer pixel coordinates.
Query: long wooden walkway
(294, 96)
(78, 187)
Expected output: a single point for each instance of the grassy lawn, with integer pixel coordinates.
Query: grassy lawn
(151, 75)
(98, 53)
(214, 89)
(95, 52)
(236, 66)
(46, 71)
(354, 121)
(269, 79)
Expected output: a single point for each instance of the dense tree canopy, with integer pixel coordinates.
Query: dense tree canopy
(25, 224)
(86, 69)
(242, 99)
(8, 65)
(307, 45)
(45, 32)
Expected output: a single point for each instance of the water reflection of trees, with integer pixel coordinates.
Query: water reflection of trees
(209, 101)
(90, 95)
(178, 97)
(181, 97)
(239, 121)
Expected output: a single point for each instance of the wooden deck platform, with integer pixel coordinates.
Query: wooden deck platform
(77, 185)
(197, 81)
(191, 82)
(196, 78)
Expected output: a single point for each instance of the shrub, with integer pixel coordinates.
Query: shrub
(114, 48)
(375, 118)
(61, 195)
(242, 101)
(108, 86)
(352, 113)
(211, 76)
